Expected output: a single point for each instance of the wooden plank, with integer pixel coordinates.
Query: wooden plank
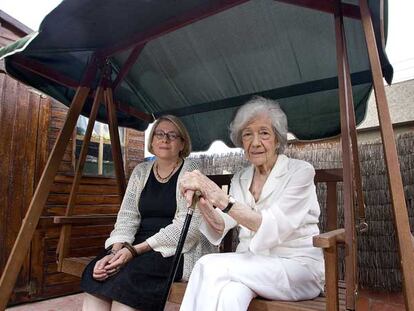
(64, 188)
(75, 266)
(87, 180)
(86, 219)
(58, 210)
(42, 139)
(402, 226)
(56, 199)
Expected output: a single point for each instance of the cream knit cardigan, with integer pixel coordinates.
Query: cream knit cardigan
(165, 241)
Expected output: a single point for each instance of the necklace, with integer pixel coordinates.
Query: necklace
(165, 179)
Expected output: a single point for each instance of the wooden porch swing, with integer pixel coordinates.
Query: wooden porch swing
(339, 295)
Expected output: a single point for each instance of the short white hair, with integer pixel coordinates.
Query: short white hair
(260, 106)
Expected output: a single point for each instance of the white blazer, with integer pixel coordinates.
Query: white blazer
(290, 214)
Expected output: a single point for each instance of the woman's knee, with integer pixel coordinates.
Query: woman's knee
(235, 296)
(94, 302)
(210, 262)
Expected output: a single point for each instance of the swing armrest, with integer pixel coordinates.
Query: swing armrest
(329, 239)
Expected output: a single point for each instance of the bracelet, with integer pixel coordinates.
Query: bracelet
(131, 249)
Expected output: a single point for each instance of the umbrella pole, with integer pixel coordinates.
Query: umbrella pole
(178, 251)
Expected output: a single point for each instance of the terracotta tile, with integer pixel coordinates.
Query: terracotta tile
(363, 304)
(378, 306)
(384, 297)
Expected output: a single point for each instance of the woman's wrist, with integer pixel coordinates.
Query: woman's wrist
(131, 249)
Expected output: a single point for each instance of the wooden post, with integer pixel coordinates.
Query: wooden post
(354, 141)
(115, 143)
(347, 160)
(401, 223)
(65, 232)
(22, 243)
(331, 264)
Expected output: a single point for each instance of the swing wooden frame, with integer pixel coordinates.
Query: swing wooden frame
(351, 171)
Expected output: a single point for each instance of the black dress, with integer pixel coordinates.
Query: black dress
(142, 281)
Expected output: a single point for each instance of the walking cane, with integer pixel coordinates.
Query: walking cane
(179, 249)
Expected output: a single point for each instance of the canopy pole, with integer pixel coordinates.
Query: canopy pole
(345, 95)
(132, 58)
(401, 224)
(114, 135)
(23, 240)
(63, 247)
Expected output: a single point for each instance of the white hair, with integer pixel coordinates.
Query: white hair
(260, 106)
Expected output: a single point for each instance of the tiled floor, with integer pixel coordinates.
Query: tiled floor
(368, 301)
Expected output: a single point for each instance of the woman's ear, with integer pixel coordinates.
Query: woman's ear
(277, 147)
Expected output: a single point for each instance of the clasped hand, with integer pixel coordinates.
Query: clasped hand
(111, 264)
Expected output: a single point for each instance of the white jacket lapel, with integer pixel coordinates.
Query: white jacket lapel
(274, 182)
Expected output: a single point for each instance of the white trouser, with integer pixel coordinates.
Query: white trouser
(229, 281)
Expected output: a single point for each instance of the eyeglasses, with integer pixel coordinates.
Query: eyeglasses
(171, 136)
(249, 135)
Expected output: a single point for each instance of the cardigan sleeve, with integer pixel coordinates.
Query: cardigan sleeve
(165, 241)
(295, 208)
(128, 218)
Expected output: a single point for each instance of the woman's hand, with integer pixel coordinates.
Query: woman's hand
(118, 260)
(196, 181)
(100, 273)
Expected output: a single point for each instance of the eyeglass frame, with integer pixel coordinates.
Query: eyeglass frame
(262, 136)
(157, 135)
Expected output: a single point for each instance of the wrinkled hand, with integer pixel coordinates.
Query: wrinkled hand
(195, 181)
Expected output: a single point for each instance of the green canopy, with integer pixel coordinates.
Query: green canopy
(201, 59)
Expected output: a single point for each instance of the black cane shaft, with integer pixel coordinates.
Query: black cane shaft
(177, 258)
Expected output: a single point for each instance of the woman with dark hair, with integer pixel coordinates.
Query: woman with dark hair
(273, 202)
(132, 273)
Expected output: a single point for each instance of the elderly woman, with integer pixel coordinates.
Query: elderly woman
(132, 273)
(274, 203)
